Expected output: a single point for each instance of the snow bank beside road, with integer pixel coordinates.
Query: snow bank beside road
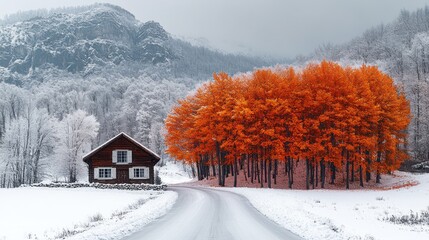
(121, 226)
(340, 214)
(47, 213)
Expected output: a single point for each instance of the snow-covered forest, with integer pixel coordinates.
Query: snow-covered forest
(401, 49)
(40, 136)
(118, 74)
(64, 92)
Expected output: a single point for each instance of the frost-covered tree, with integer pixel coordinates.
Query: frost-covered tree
(156, 138)
(150, 116)
(76, 133)
(401, 49)
(27, 148)
(417, 82)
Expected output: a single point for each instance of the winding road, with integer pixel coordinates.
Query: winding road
(204, 213)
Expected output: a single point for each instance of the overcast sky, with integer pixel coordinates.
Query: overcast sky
(279, 28)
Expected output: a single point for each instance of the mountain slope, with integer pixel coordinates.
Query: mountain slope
(101, 36)
(69, 41)
(98, 59)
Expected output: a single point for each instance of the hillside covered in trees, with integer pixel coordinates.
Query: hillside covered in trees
(401, 49)
(95, 63)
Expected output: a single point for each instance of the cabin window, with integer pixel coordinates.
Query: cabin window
(138, 172)
(122, 156)
(105, 173)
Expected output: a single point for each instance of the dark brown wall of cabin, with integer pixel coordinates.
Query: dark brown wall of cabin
(103, 158)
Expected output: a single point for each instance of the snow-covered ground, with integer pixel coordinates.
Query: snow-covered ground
(340, 214)
(81, 213)
(174, 172)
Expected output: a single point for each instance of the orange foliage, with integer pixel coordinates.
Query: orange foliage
(325, 112)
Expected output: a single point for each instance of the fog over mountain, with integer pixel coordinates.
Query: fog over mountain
(261, 28)
(90, 38)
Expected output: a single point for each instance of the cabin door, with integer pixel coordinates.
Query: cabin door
(122, 175)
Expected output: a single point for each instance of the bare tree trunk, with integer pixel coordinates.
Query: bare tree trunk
(253, 169)
(218, 155)
(368, 173)
(198, 165)
(312, 173)
(244, 169)
(332, 173)
(223, 174)
(307, 174)
(258, 171)
(360, 176)
(262, 172)
(347, 170)
(269, 173)
(235, 172)
(289, 171)
(265, 168)
(378, 177)
(36, 167)
(213, 165)
(316, 171)
(248, 165)
(322, 173)
(275, 171)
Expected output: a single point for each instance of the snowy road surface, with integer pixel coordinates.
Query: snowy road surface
(203, 213)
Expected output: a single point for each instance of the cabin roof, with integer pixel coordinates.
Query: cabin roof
(141, 146)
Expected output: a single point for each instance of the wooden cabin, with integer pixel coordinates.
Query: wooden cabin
(121, 160)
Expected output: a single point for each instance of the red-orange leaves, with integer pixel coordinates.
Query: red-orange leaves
(326, 114)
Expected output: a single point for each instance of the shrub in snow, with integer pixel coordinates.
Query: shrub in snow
(96, 218)
(410, 219)
(421, 166)
(67, 233)
(121, 186)
(138, 203)
(133, 206)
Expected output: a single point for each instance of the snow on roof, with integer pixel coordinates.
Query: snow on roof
(115, 137)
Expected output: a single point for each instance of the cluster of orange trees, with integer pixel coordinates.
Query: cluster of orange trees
(330, 117)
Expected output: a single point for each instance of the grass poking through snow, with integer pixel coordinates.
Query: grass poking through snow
(414, 218)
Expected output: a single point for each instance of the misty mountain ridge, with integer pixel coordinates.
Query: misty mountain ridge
(88, 39)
